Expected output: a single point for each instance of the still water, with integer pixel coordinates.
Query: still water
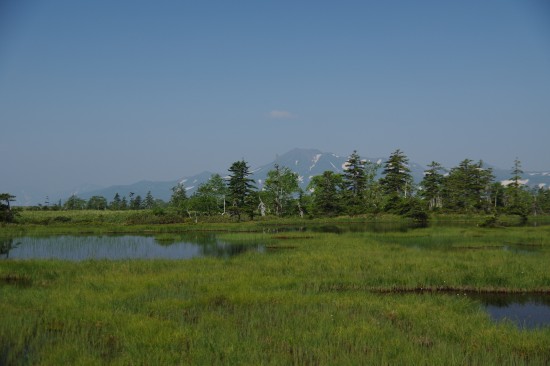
(77, 248)
(191, 245)
(526, 311)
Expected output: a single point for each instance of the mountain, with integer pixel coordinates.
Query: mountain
(310, 162)
(162, 190)
(306, 162)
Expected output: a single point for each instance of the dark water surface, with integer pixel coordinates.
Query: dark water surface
(526, 311)
(76, 248)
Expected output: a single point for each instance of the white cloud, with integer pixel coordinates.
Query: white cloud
(279, 114)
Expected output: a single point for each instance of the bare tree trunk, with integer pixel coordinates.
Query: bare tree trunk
(300, 210)
(261, 207)
(223, 213)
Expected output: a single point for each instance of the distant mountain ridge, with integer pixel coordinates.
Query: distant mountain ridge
(307, 163)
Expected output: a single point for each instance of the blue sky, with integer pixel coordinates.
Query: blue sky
(112, 92)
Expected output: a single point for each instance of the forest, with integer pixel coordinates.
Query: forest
(364, 187)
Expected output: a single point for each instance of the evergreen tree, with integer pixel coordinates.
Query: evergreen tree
(240, 190)
(355, 182)
(131, 203)
(516, 173)
(136, 203)
(541, 201)
(326, 192)
(397, 182)
(467, 188)
(517, 198)
(124, 203)
(280, 185)
(116, 203)
(149, 201)
(432, 186)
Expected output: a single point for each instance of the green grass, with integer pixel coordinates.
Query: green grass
(324, 299)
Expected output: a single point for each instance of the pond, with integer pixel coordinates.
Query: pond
(167, 246)
(526, 311)
(77, 248)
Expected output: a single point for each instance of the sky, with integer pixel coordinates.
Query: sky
(112, 92)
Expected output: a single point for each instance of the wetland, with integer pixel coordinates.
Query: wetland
(287, 294)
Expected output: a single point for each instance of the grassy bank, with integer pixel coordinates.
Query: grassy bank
(146, 221)
(310, 299)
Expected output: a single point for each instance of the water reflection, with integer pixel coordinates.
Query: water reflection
(78, 248)
(6, 244)
(382, 226)
(527, 311)
(371, 227)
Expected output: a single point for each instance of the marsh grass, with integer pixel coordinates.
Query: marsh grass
(329, 300)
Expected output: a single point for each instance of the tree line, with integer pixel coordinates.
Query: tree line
(363, 187)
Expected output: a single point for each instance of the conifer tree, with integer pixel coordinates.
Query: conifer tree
(355, 182)
(124, 203)
(467, 188)
(241, 189)
(149, 201)
(326, 191)
(516, 174)
(397, 182)
(136, 203)
(517, 198)
(116, 203)
(432, 186)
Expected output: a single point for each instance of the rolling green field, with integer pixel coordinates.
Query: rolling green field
(311, 298)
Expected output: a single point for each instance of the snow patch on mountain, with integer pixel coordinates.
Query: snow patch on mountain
(315, 160)
(507, 182)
